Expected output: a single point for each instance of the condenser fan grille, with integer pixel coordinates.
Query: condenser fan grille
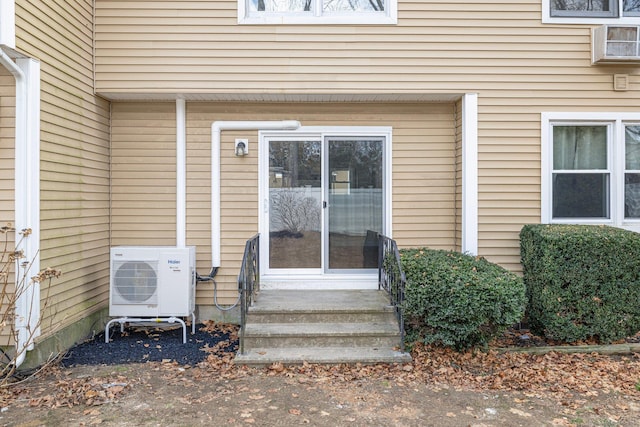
(136, 282)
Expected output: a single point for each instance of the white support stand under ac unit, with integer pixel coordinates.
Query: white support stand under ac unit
(152, 284)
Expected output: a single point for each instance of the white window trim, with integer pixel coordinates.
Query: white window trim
(388, 17)
(615, 150)
(548, 19)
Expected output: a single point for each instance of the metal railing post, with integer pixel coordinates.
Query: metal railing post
(392, 279)
(248, 282)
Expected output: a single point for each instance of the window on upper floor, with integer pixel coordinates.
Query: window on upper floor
(317, 11)
(591, 170)
(591, 11)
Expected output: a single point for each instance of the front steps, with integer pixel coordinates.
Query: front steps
(317, 326)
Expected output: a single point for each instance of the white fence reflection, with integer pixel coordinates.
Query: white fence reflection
(297, 209)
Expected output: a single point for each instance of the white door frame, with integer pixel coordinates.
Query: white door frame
(316, 278)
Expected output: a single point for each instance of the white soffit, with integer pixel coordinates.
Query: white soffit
(267, 97)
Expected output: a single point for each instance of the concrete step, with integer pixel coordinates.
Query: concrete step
(336, 355)
(321, 326)
(315, 306)
(310, 301)
(326, 334)
(318, 316)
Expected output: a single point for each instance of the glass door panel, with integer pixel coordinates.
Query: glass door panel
(356, 201)
(295, 204)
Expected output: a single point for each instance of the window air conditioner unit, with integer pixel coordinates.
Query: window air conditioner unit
(616, 44)
(152, 281)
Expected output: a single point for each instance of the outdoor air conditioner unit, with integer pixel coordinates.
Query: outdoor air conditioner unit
(616, 44)
(152, 281)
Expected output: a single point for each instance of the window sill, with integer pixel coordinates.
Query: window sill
(633, 225)
(635, 20)
(318, 20)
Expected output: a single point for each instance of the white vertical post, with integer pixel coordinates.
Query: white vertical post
(470, 173)
(26, 72)
(8, 23)
(31, 186)
(181, 174)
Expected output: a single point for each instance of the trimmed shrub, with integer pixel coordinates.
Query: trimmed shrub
(583, 281)
(458, 300)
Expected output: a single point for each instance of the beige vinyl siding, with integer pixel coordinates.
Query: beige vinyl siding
(500, 50)
(423, 174)
(143, 174)
(74, 138)
(7, 182)
(509, 174)
(424, 178)
(151, 46)
(459, 172)
(7, 132)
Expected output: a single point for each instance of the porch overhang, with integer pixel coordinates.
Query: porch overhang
(284, 97)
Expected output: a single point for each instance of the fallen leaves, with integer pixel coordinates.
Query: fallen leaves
(70, 392)
(276, 367)
(569, 378)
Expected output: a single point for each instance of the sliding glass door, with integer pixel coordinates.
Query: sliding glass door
(295, 204)
(354, 216)
(326, 203)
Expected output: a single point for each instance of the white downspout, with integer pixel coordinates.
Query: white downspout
(27, 188)
(216, 129)
(181, 179)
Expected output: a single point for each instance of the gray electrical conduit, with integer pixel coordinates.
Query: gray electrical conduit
(211, 278)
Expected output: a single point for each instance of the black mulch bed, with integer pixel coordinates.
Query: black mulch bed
(140, 344)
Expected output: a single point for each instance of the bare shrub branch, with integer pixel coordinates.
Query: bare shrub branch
(15, 283)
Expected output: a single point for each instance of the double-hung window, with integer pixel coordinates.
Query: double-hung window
(591, 169)
(581, 174)
(317, 11)
(591, 11)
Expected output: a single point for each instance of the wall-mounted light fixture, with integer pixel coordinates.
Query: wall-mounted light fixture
(242, 147)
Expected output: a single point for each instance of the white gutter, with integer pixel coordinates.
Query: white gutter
(216, 129)
(26, 72)
(181, 178)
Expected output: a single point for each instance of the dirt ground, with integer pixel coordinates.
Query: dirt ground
(438, 389)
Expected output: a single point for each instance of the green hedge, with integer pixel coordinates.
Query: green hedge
(458, 300)
(582, 281)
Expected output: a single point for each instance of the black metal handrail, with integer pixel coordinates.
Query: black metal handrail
(392, 279)
(248, 282)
